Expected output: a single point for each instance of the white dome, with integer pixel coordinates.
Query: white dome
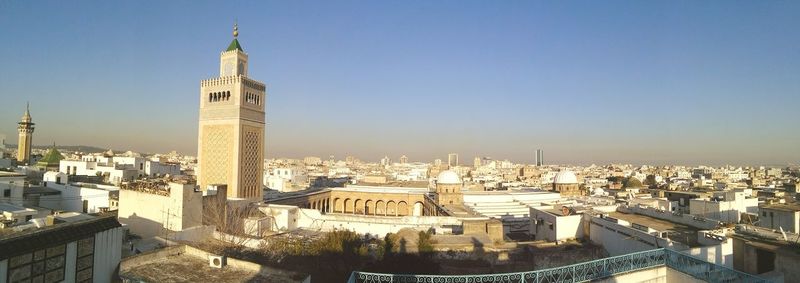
(565, 177)
(448, 177)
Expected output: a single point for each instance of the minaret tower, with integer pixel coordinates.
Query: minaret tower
(230, 142)
(25, 129)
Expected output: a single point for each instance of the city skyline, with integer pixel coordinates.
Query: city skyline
(494, 83)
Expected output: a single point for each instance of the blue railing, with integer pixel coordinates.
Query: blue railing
(581, 272)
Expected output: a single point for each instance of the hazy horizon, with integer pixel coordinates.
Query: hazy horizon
(672, 82)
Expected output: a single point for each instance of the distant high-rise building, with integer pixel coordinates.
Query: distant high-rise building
(25, 129)
(403, 159)
(437, 162)
(477, 162)
(539, 157)
(452, 159)
(231, 131)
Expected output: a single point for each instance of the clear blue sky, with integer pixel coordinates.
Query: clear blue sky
(694, 82)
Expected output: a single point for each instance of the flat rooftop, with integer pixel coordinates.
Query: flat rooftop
(179, 264)
(186, 268)
(790, 207)
(383, 190)
(675, 231)
(10, 174)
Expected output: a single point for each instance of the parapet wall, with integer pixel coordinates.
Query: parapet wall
(686, 219)
(233, 79)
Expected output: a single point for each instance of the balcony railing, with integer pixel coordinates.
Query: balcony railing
(582, 272)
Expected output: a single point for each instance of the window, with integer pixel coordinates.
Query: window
(764, 214)
(45, 265)
(85, 260)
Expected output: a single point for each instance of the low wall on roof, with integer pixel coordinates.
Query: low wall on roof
(686, 219)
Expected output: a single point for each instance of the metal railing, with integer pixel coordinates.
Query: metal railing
(581, 272)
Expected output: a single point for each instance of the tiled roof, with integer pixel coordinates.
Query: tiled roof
(234, 45)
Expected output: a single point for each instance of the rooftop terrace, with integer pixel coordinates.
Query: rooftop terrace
(675, 231)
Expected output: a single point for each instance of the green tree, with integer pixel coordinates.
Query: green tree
(632, 182)
(424, 243)
(650, 180)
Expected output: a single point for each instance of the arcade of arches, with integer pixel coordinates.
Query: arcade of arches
(365, 203)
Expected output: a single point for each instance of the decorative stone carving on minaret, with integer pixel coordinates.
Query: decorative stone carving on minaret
(25, 128)
(231, 128)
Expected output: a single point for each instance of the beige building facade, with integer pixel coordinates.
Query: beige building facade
(148, 208)
(231, 128)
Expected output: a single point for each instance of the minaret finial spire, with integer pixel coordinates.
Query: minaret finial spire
(235, 29)
(27, 114)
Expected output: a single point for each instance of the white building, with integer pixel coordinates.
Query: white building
(726, 206)
(78, 197)
(11, 186)
(513, 208)
(117, 169)
(780, 216)
(286, 179)
(556, 224)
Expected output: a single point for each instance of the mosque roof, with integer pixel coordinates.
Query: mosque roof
(565, 177)
(448, 177)
(234, 45)
(53, 157)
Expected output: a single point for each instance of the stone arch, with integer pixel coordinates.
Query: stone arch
(380, 208)
(418, 209)
(348, 206)
(369, 207)
(337, 205)
(391, 208)
(402, 208)
(358, 208)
